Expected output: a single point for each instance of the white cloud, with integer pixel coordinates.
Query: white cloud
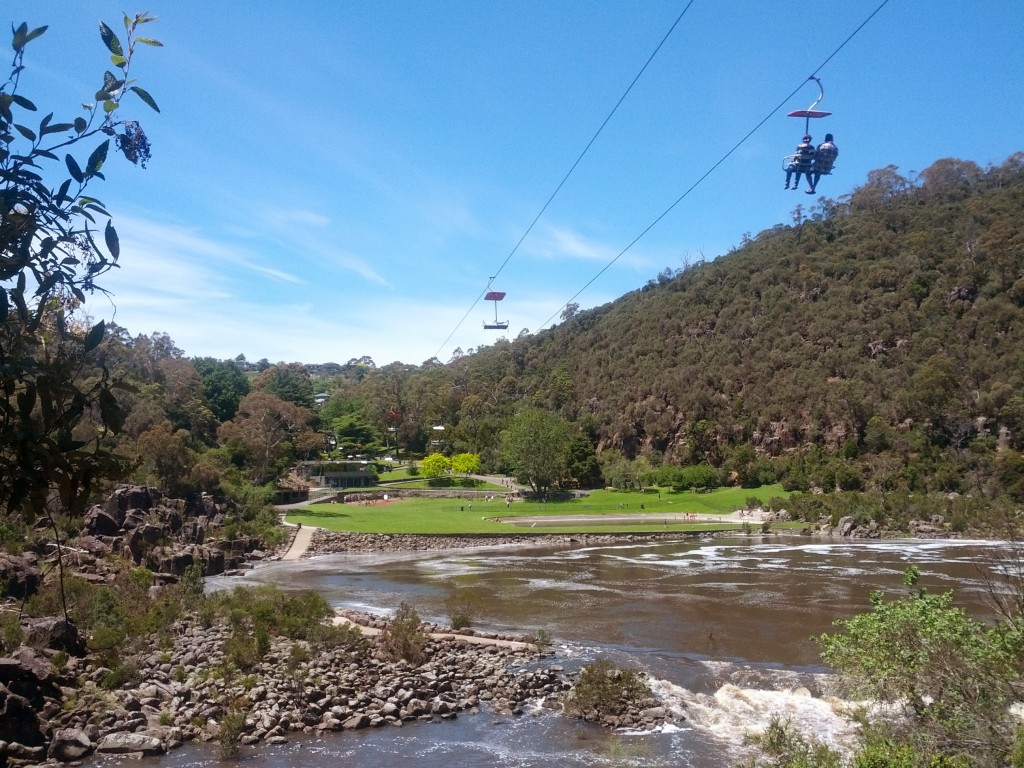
(287, 218)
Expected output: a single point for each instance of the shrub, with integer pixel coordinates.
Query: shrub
(11, 634)
(297, 655)
(191, 583)
(925, 658)
(541, 638)
(403, 637)
(461, 608)
(245, 649)
(781, 746)
(278, 613)
(604, 689)
(232, 725)
(697, 476)
(119, 677)
(347, 637)
(12, 538)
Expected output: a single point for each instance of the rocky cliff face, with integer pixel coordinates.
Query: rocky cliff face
(165, 535)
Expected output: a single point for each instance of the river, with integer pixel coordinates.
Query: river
(723, 626)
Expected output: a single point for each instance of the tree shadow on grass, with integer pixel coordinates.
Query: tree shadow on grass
(323, 513)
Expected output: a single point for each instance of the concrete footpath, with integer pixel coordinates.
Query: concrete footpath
(300, 543)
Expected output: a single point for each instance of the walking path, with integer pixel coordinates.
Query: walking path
(300, 543)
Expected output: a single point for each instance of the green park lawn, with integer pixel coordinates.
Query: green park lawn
(460, 516)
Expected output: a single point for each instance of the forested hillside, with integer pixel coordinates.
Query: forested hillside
(875, 342)
(872, 345)
(900, 303)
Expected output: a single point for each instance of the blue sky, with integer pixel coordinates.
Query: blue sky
(337, 179)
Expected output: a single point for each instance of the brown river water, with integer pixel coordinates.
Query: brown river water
(724, 628)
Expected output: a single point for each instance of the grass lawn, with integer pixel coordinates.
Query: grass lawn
(455, 516)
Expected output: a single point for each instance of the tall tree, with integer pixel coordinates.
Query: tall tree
(435, 465)
(465, 464)
(51, 256)
(536, 447)
(268, 433)
(289, 382)
(224, 385)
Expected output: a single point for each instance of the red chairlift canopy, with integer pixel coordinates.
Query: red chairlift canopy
(808, 113)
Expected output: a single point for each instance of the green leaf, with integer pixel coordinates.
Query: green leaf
(37, 32)
(20, 35)
(95, 336)
(62, 193)
(110, 411)
(118, 61)
(109, 106)
(113, 243)
(149, 41)
(22, 102)
(56, 128)
(97, 158)
(110, 83)
(74, 169)
(27, 133)
(27, 401)
(144, 95)
(80, 125)
(110, 40)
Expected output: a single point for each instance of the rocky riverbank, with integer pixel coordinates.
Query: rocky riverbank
(185, 687)
(326, 542)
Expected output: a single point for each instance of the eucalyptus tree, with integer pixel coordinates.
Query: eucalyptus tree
(56, 241)
(537, 446)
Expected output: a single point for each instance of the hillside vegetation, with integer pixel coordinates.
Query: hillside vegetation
(872, 345)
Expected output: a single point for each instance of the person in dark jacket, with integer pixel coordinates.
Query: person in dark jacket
(824, 159)
(802, 163)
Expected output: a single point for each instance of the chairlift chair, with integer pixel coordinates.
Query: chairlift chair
(497, 325)
(808, 114)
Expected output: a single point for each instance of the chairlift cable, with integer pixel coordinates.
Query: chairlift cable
(566, 176)
(714, 167)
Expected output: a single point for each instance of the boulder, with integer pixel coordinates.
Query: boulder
(19, 721)
(173, 520)
(54, 633)
(20, 576)
(92, 545)
(356, 722)
(70, 744)
(128, 743)
(30, 673)
(143, 538)
(99, 522)
(134, 518)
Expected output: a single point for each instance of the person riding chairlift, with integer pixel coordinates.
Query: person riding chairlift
(803, 163)
(824, 159)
